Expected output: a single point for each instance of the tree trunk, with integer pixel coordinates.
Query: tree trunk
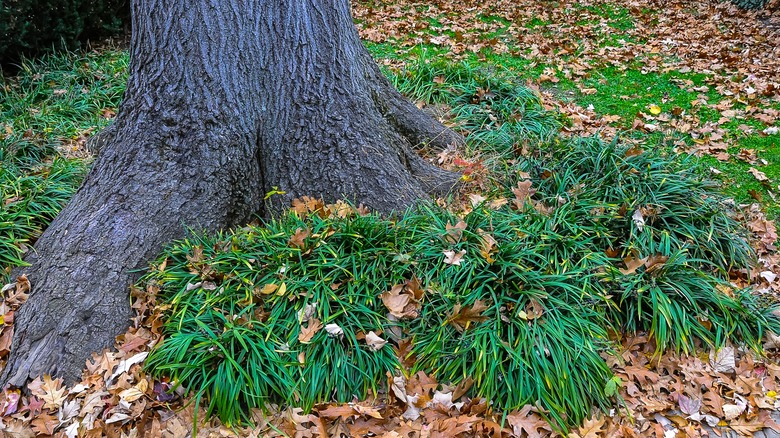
(226, 101)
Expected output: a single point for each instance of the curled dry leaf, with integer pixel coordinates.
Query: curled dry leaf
(374, 341)
(523, 192)
(639, 220)
(723, 360)
(454, 258)
(455, 232)
(761, 176)
(403, 300)
(334, 330)
(487, 245)
(298, 240)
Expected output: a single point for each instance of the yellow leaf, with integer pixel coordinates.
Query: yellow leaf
(268, 289)
(131, 394)
(655, 110)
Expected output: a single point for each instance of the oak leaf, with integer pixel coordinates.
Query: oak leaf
(461, 317)
(592, 428)
(50, 391)
(527, 421)
(308, 332)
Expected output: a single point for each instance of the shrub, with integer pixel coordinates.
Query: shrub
(29, 26)
(750, 4)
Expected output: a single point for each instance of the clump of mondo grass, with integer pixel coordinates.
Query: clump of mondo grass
(488, 106)
(279, 313)
(522, 293)
(51, 100)
(673, 238)
(521, 297)
(33, 189)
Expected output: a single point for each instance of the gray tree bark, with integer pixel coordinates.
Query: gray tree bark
(226, 101)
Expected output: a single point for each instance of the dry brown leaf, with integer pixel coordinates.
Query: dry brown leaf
(454, 258)
(462, 317)
(454, 232)
(761, 176)
(592, 428)
(308, 332)
(374, 341)
(298, 240)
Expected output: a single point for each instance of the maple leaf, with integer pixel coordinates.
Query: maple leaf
(462, 317)
(308, 332)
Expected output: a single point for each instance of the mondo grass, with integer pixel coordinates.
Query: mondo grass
(524, 309)
(493, 111)
(31, 194)
(50, 101)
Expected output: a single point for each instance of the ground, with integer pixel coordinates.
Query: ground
(697, 78)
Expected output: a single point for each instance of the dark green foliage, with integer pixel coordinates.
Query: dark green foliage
(32, 26)
(493, 111)
(569, 267)
(32, 195)
(750, 4)
(549, 292)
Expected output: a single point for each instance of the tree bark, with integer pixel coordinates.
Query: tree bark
(226, 101)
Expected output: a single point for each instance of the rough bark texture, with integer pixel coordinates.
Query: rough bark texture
(226, 101)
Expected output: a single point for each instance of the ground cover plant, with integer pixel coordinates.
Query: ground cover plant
(557, 245)
(589, 239)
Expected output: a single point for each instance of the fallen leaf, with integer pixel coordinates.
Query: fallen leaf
(723, 360)
(462, 317)
(761, 176)
(334, 330)
(454, 232)
(308, 332)
(375, 342)
(454, 258)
